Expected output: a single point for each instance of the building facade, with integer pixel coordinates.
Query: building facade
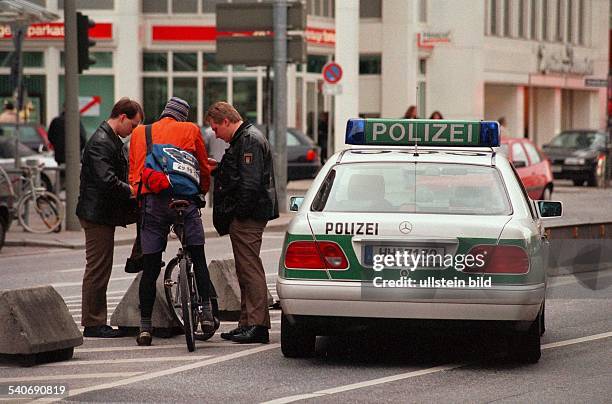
(525, 60)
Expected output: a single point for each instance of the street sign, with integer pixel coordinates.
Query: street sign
(332, 72)
(258, 16)
(257, 50)
(596, 82)
(90, 105)
(331, 89)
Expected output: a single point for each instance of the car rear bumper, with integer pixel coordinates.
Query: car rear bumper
(573, 172)
(347, 299)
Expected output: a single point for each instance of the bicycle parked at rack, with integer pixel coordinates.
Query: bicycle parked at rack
(38, 210)
(181, 289)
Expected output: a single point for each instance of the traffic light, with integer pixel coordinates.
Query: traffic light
(84, 43)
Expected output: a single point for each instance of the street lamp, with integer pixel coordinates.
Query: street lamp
(20, 14)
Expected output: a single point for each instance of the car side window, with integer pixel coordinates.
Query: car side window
(292, 140)
(533, 154)
(518, 154)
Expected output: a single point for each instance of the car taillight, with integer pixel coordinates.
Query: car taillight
(315, 255)
(499, 259)
(311, 155)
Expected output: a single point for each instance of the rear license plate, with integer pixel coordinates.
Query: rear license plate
(422, 255)
(557, 169)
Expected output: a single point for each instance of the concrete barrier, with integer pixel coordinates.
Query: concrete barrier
(127, 312)
(35, 324)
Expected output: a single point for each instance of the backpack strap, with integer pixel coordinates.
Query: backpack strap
(149, 138)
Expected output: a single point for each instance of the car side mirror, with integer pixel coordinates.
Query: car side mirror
(295, 202)
(550, 208)
(519, 164)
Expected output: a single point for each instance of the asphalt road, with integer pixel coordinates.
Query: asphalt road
(416, 365)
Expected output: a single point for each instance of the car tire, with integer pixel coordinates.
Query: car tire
(296, 340)
(3, 230)
(525, 347)
(547, 193)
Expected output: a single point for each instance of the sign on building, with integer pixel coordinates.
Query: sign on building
(90, 105)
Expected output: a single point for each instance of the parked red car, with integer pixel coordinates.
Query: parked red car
(532, 166)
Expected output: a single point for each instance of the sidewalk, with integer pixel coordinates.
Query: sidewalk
(17, 237)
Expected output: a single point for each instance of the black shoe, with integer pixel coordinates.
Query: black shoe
(228, 335)
(252, 334)
(101, 331)
(144, 338)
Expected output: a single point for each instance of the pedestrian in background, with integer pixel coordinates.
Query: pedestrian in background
(104, 201)
(57, 137)
(157, 216)
(244, 200)
(411, 112)
(503, 130)
(9, 114)
(436, 115)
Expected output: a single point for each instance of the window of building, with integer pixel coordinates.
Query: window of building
(155, 95)
(184, 62)
(493, 17)
(209, 63)
(185, 6)
(187, 89)
(208, 6)
(370, 9)
(28, 59)
(544, 20)
(569, 30)
(422, 10)
(245, 98)
(422, 66)
(154, 61)
(315, 63)
(581, 22)
(533, 13)
(507, 18)
(215, 89)
(370, 64)
(155, 6)
(559, 21)
(90, 4)
(103, 60)
(522, 10)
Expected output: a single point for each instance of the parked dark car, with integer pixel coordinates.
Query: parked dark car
(32, 135)
(579, 155)
(303, 156)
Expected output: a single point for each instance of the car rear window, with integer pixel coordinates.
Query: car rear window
(414, 188)
(579, 140)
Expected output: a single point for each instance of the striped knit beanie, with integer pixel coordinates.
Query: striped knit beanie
(176, 108)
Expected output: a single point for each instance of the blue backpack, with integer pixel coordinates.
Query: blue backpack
(180, 166)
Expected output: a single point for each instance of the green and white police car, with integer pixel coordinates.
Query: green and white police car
(419, 219)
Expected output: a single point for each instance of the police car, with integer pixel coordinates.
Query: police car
(418, 219)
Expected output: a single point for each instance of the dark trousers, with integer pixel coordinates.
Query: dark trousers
(246, 236)
(99, 247)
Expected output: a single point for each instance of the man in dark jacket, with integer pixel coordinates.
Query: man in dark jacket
(104, 202)
(57, 137)
(244, 200)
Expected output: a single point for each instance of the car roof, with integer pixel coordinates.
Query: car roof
(472, 155)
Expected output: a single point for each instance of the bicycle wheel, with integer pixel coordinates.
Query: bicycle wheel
(187, 305)
(40, 212)
(173, 291)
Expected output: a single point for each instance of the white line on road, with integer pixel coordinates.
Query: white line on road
(128, 360)
(79, 283)
(202, 345)
(82, 269)
(111, 292)
(68, 377)
(402, 376)
(166, 372)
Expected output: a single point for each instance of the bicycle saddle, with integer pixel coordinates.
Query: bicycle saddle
(178, 204)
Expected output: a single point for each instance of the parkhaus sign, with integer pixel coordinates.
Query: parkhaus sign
(55, 31)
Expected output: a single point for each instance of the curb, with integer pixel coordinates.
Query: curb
(80, 245)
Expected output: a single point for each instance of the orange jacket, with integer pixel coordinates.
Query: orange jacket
(185, 135)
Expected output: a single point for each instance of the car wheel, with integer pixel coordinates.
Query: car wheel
(525, 347)
(2, 233)
(547, 193)
(296, 340)
(578, 183)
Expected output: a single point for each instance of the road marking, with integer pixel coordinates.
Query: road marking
(128, 360)
(152, 375)
(82, 269)
(68, 377)
(575, 278)
(202, 345)
(79, 283)
(408, 375)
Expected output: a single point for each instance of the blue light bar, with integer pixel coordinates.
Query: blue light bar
(355, 131)
(489, 133)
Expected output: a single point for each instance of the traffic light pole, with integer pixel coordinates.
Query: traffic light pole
(72, 114)
(280, 101)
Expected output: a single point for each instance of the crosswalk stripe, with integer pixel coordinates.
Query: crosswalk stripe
(69, 377)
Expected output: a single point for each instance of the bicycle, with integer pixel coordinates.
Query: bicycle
(48, 207)
(181, 290)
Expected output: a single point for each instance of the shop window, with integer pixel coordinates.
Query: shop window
(155, 6)
(93, 85)
(245, 98)
(187, 89)
(90, 4)
(155, 95)
(154, 61)
(34, 110)
(103, 60)
(208, 6)
(209, 63)
(184, 62)
(369, 64)
(370, 9)
(185, 6)
(29, 59)
(215, 89)
(315, 63)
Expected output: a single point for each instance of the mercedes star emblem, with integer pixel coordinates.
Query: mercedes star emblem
(405, 227)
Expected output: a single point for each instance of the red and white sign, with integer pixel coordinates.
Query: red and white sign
(55, 31)
(332, 72)
(427, 39)
(90, 105)
(320, 36)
